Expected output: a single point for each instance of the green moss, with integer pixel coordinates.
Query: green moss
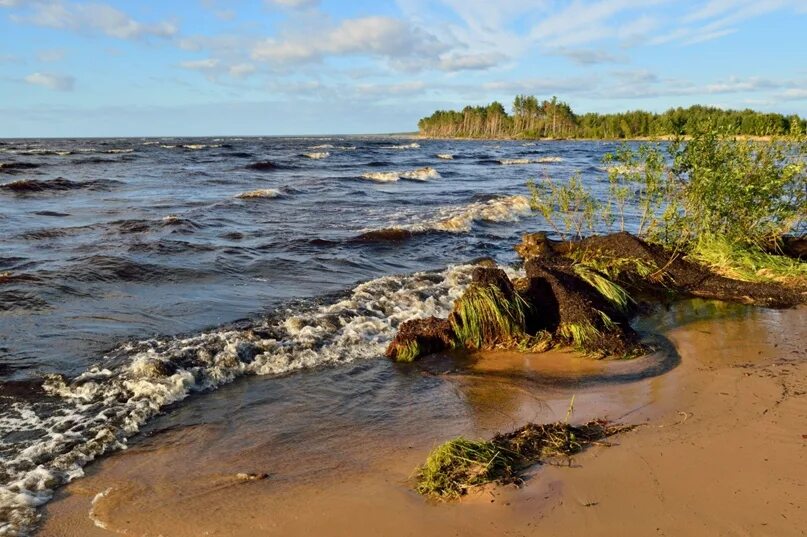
(484, 316)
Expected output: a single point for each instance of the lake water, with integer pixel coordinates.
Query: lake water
(134, 272)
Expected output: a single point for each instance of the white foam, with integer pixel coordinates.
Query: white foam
(420, 174)
(622, 169)
(445, 156)
(413, 145)
(317, 155)
(93, 516)
(460, 219)
(260, 193)
(101, 408)
(523, 161)
(382, 177)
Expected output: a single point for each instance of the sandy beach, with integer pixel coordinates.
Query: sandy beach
(720, 449)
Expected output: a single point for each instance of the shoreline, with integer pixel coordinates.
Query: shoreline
(721, 427)
(661, 138)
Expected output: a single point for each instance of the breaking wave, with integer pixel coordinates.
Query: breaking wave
(456, 219)
(317, 155)
(420, 174)
(260, 193)
(445, 156)
(97, 411)
(522, 161)
(413, 145)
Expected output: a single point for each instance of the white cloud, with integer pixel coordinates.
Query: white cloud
(51, 81)
(201, 65)
(370, 36)
(471, 62)
(294, 4)
(241, 69)
(795, 94)
(93, 17)
(582, 56)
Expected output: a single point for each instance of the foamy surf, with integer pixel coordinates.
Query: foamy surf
(413, 145)
(458, 219)
(523, 161)
(258, 194)
(97, 412)
(420, 174)
(445, 156)
(461, 219)
(317, 155)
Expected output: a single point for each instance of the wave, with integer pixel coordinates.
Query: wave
(622, 169)
(413, 145)
(107, 268)
(322, 146)
(521, 161)
(260, 193)
(198, 147)
(28, 186)
(15, 167)
(51, 213)
(420, 174)
(317, 155)
(455, 219)
(40, 151)
(266, 166)
(97, 411)
(445, 156)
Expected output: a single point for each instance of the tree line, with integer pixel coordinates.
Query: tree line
(531, 118)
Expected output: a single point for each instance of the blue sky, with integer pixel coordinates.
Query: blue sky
(215, 67)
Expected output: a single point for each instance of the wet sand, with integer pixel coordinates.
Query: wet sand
(721, 450)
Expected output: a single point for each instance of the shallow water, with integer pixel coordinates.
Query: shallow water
(127, 264)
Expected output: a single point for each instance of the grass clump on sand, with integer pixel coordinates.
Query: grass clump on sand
(485, 317)
(457, 466)
(748, 263)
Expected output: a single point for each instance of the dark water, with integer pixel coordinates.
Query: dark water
(128, 268)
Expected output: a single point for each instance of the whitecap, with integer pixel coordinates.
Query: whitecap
(101, 408)
(317, 155)
(260, 193)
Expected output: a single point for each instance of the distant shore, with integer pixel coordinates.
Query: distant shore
(664, 138)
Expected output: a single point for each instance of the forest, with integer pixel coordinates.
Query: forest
(531, 118)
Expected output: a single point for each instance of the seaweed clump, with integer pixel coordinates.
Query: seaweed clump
(459, 465)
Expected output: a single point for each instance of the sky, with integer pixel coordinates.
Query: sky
(295, 67)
